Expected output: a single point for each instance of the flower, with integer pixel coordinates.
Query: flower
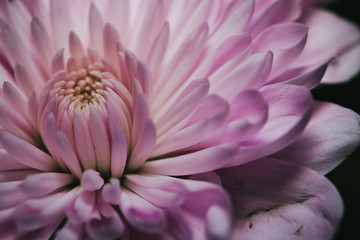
(171, 119)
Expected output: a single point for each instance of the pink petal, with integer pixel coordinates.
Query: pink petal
(144, 146)
(26, 153)
(37, 213)
(57, 62)
(9, 163)
(218, 223)
(111, 227)
(329, 138)
(111, 191)
(14, 123)
(250, 74)
(118, 13)
(81, 207)
(15, 99)
(41, 41)
(158, 48)
(326, 41)
(192, 163)
(150, 24)
(41, 184)
(308, 77)
(91, 180)
(24, 79)
(289, 111)
(16, 50)
(76, 48)
(234, 20)
(141, 115)
(83, 142)
(160, 191)
(270, 15)
(248, 114)
(70, 232)
(100, 139)
(67, 155)
(282, 200)
(96, 25)
(142, 214)
(11, 195)
(119, 151)
(110, 39)
(235, 47)
(181, 65)
(285, 40)
(188, 100)
(207, 119)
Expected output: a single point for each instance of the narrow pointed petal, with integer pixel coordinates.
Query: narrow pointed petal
(39, 185)
(202, 161)
(57, 62)
(83, 142)
(119, 151)
(250, 74)
(67, 154)
(96, 26)
(162, 192)
(144, 146)
(26, 153)
(206, 120)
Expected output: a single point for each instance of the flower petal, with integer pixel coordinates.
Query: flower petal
(326, 41)
(41, 184)
(289, 111)
(331, 135)
(26, 153)
(192, 163)
(144, 146)
(142, 214)
(277, 199)
(207, 119)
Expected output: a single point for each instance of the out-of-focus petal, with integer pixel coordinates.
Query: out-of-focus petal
(331, 135)
(270, 193)
(339, 39)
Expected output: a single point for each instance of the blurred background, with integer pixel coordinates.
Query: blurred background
(346, 177)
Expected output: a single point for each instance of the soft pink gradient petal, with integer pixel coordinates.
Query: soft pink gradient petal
(287, 118)
(41, 184)
(37, 213)
(331, 135)
(272, 193)
(26, 153)
(192, 163)
(142, 214)
(206, 120)
(326, 41)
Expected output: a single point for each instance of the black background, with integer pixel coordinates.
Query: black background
(346, 177)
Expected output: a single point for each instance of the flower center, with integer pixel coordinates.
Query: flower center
(82, 87)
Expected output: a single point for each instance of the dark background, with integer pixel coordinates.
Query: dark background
(346, 177)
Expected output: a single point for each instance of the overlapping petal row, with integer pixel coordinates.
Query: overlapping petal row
(171, 119)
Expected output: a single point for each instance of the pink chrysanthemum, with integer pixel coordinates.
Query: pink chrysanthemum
(171, 119)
